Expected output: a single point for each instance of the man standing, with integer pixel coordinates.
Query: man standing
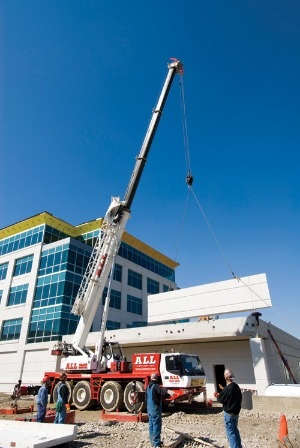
(231, 398)
(62, 400)
(154, 394)
(42, 401)
(16, 394)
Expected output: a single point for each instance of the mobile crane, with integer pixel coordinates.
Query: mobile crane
(105, 375)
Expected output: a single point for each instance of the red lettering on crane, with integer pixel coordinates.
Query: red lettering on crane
(101, 265)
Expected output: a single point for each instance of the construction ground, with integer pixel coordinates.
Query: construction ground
(201, 428)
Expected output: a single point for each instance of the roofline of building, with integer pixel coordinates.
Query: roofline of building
(75, 231)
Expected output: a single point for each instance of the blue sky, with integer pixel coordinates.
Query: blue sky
(78, 82)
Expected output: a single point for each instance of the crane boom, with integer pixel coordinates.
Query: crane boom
(108, 242)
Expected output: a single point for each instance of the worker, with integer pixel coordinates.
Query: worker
(16, 393)
(62, 400)
(42, 400)
(231, 398)
(154, 395)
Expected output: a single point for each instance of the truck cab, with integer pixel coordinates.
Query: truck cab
(181, 370)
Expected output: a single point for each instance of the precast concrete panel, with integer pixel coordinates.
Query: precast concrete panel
(244, 294)
(35, 364)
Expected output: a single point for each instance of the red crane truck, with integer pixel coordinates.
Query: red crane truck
(104, 375)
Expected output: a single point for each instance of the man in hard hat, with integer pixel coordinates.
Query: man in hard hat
(154, 395)
(42, 401)
(231, 398)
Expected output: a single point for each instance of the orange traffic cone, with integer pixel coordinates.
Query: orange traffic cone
(283, 429)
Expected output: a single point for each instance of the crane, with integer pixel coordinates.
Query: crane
(77, 355)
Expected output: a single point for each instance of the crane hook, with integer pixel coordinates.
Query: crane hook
(189, 179)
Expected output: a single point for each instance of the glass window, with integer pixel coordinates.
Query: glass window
(1, 294)
(21, 240)
(115, 298)
(117, 273)
(23, 265)
(112, 325)
(141, 259)
(17, 295)
(11, 329)
(152, 286)
(134, 305)
(135, 279)
(3, 270)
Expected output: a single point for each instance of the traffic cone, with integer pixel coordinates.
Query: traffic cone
(283, 429)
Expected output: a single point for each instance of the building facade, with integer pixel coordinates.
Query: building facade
(42, 261)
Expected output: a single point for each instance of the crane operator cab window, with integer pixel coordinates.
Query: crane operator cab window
(181, 365)
(112, 350)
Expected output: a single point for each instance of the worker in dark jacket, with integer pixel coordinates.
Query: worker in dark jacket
(42, 400)
(62, 400)
(154, 395)
(231, 398)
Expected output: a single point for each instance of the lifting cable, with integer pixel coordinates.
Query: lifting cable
(189, 182)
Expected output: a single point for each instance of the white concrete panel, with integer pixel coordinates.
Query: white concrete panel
(35, 364)
(34, 435)
(260, 365)
(244, 294)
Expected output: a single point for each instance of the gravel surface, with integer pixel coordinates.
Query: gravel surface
(258, 430)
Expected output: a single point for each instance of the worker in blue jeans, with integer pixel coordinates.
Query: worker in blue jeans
(62, 400)
(42, 401)
(154, 395)
(231, 398)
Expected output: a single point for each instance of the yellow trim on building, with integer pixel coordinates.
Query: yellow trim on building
(75, 231)
(148, 250)
(51, 220)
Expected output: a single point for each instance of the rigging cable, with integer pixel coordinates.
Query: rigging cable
(189, 181)
(189, 177)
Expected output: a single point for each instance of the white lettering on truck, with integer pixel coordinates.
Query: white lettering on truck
(145, 360)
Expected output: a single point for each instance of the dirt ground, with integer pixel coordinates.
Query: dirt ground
(258, 430)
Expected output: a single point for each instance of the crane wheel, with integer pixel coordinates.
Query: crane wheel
(55, 392)
(111, 396)
(82, 396)
(131, 397)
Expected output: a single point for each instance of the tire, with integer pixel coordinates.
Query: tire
(130, 399)
(111, 396)
(82, 396)
(55, 392)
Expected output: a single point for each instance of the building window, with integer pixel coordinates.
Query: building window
(134, 305)
(49, 324)
(112, 325)
(52, 235)
(152, 286)
(65, 257)
(3, 270)
(89, 238)
(115, 298)
(1, 294)
(56, 289)
(23, 265)
(17, 295)
(117, 273)
(135, 279)
(143, 260)
(24, 239)
(11, 329)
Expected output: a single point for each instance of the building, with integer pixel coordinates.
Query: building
(42, 261)
(240, 343)
(41, 265)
